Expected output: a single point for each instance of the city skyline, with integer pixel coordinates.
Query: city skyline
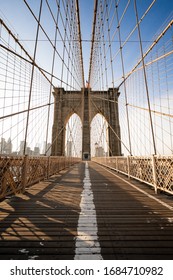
(39, 149)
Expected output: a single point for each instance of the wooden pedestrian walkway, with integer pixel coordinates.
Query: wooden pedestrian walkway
(87, 212)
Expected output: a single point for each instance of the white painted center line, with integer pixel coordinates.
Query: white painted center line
(87, 244)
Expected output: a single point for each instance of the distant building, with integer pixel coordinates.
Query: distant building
(99, 151)
(29, 152)
(22, 143)
(8, 147)
(5, 147)
(36, 151)
(69, 148)
(2, 145)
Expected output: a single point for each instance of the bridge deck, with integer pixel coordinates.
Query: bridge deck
(86, 213)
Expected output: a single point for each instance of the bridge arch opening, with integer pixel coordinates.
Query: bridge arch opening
(73, 136)
(99, 136)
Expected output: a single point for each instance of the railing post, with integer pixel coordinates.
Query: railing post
(69, 162)
(154, 174)
(24, 173)
(48, 167)
(128, 166)
(117, 164)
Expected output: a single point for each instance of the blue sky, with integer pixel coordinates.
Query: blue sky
(17, 16)
(22, 21)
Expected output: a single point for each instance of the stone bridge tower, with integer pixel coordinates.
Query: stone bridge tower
(86, 104)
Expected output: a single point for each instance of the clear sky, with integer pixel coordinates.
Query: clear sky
(16, 14)
(21, 22)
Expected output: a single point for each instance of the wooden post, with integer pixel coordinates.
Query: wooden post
(24, 173)
(117, 164)
(128, 167)
(48, 167)
(154, 174)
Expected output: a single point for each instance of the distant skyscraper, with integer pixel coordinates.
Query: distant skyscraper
(69, 148)
(22, 143)
(2, 145)
(5, 147)
(8, 147)
(99, 151)
(36, 151)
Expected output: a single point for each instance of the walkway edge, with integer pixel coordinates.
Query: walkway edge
(142, 191)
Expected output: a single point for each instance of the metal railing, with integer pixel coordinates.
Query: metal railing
(17, 173)
(156, 171)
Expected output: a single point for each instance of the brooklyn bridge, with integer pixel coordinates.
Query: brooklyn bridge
(86, 130)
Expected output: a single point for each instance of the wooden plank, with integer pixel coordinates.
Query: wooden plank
(42, 223)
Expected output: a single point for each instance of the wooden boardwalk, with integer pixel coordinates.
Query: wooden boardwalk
(87, 213)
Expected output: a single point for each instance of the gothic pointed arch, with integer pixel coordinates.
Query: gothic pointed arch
(99, 136)
(73, 136)
(86, 104)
